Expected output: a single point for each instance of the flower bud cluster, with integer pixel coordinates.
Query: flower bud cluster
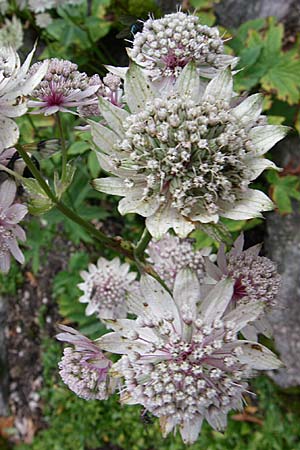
(80, 372)
(170, 254)
(109, 88)
(168, 44)
(191, 152)
(256, 278)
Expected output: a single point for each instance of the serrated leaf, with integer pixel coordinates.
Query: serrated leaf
(283, 78)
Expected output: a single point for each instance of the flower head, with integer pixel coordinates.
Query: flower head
(10, 214)
(43, 20)
(182, 359)
(255, 277)
(170, 254)
(105, 288)
(14, 87)
(63, 87)
(109, 88)
(167, 45)
(84, 368)
(187, 157)
(11, 33)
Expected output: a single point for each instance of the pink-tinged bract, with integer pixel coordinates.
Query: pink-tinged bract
(10, 232)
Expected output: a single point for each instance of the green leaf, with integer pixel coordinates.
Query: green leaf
(285, 188)
(283, 78)
(38, 202)
(61, 186)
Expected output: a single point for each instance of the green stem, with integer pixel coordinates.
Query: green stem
(122, 247)
(142, 245)
(63, 148)
(116, 244)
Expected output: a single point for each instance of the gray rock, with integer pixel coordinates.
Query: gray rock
(3, 360)
(282, 245)
(232, 13)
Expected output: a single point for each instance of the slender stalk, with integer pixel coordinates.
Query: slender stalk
(142, 245)
(122, 247)
(63, 147)
(117, 244)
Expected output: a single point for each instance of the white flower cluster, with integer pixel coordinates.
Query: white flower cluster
(105, 288)
(11, 33)
(182, 359)
(185, 157)
(182, 152)
(167, 45)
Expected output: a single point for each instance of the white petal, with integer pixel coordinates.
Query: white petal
(34, 79)
(8, 191)
(138, 89)
(258, 357)
(190, 430)
(220, 87)
(113, 342)
(158, 301)
(257, 165)
(188, 82)
(110, 185)
(9, 132)
(113, 115)
(133, 203)
(250, 205)
(125, 326)
(167, 217)
(264, 137)
(212, 270)
(249, 110)
(90, 309)
(119, 71)
(187, 290)
(216, 302)
(216, 419)
(103, 137)
(243, 314)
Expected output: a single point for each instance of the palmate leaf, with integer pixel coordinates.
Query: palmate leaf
(283, 78)
(263, 62)
(285, 188)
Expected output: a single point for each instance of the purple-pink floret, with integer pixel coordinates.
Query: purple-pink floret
(10, 214)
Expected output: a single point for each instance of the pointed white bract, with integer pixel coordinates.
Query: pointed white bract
(181, 159)
(170, 254)
(105, 287)
(165, 46)
(84, 368)
(182, 360)
(15, 85)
